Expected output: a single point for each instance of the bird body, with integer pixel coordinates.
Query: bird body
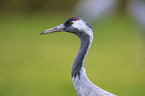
(83, 86)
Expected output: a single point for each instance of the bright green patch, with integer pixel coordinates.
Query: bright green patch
(34, 65)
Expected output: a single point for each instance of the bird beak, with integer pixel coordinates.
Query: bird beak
(54, 29)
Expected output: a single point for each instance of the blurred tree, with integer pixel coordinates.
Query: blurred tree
(36, 5)
(99, 8)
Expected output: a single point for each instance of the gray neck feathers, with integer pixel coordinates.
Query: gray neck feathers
(83, 50)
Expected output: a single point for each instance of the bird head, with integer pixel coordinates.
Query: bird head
(74, 25)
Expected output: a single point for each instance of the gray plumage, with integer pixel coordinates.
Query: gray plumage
(83, 86)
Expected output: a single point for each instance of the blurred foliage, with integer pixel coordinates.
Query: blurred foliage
(33, 6)
(34, 65)
(30, 6)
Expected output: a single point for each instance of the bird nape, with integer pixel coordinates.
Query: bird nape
(83, 86)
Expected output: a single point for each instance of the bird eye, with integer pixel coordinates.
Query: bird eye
(71, 23)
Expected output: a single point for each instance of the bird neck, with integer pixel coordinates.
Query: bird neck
(78, 63)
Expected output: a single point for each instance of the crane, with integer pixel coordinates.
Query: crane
(78, 26)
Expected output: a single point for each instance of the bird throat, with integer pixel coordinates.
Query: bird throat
(80, 58)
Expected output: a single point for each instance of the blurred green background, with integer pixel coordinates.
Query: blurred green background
(34, 65)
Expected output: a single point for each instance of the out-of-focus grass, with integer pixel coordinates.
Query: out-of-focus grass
(34, 65)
